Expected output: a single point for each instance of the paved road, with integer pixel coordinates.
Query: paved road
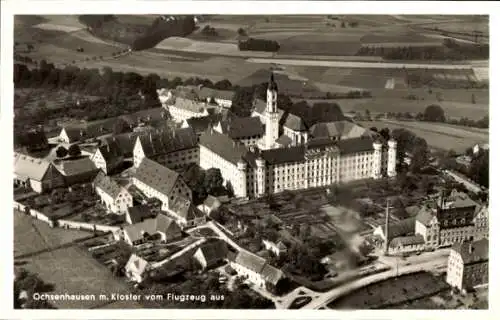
(360, 64)
(429, 263)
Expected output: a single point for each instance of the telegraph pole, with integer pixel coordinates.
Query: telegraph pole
(386, 242)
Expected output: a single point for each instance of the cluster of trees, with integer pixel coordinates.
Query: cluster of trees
(242, 32)
(118, 91)
(139, 37)
(30, 283)
(478, 170)
(252, 44)
(242, 105)
(450, 50)
(434, 113)
(72, 151)
(204, 182)
(318, 112)
(161, 29)
(209, 31)
(23, 59)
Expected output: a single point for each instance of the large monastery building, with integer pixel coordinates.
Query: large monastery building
(289, 151)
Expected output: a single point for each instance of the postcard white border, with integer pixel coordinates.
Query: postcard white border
(12, 7)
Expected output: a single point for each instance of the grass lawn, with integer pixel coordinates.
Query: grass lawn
(31, 235)
(72, 270)
(438, 136)
(392, 292)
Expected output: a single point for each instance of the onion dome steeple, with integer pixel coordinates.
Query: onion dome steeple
(272, 84)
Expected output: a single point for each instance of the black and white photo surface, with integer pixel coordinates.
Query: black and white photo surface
(214, 161)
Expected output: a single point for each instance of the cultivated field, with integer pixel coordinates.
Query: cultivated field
(452, 109)
(438, 136)
(72, 270)
(31, 235)
(392, 291)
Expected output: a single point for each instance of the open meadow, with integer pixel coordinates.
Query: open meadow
(31, 235)
(438, 136)
(72, 270)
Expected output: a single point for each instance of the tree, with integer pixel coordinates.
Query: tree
(120, 126)
(74, 150)
(469, 152)
(367, 114)
(223, 85)
(61, 152)
(420, 158)
(479, 169)
(213, 180)
(385, 133)
(434, 113)
(242, 32)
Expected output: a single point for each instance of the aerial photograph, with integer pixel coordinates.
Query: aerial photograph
(318, 162)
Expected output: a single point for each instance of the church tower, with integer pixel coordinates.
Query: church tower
(271, 114)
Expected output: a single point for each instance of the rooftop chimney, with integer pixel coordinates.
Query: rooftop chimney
(471, 248)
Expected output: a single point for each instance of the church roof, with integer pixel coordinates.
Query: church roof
(242, 127)
(272, 84)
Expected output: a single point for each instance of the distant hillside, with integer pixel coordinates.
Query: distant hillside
(138, 36)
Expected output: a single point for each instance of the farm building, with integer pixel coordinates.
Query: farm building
(406, 244)
(201, 124)
(396, 229)
(210, 254)
(248, 131)
(162, 227)
(256, 269)
(108, 157)
(157, 181)
(210, 204)
(468, 265)
(172, 149)
(185, 212)
(222, 98)
(136, 268)
(115, 198)
(38, 174)
(138, 214)
(277, 249)
(181, 109)
(77, 171)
